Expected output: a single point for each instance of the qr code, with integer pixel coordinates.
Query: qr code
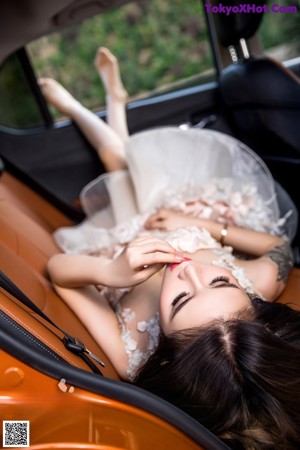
(15, 433)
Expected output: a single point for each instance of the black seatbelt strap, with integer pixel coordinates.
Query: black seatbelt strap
(74, 345)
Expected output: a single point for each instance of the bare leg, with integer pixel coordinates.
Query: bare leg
(108, 69)
(107, 143)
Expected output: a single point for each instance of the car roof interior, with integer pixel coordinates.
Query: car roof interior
(22, 22)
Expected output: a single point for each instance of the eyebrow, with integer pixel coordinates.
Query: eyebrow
(225, 284)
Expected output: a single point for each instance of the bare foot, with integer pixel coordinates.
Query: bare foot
(108, 68)
(57, 95)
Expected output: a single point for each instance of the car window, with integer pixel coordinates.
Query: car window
(280, 30)
(160, 45)
(18, 107)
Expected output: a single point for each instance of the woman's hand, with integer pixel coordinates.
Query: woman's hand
(141, 259)
(169, 219)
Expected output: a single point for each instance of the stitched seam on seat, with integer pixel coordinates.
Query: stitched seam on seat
(37, 335)
(32, 338)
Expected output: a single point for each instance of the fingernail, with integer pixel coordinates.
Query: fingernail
(179, 256)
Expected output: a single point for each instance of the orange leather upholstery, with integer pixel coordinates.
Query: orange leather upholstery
(30, 203)
(26, 238)
(27, 222)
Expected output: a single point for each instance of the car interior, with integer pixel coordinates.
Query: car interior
(43, 169)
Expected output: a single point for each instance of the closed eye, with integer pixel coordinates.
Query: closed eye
(222, 281)
(178, 297)
(176, 301)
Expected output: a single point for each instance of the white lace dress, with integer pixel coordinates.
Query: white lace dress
(201, 172)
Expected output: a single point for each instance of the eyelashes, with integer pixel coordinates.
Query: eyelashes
(179, 297)
(176, 309)
(220, 278)
(222, 281)
(175, 302)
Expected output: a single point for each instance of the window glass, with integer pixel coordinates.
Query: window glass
(280, 30)
(159, 44)
(18, 108)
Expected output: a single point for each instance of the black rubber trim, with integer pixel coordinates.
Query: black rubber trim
(9, 325)
(35, 89)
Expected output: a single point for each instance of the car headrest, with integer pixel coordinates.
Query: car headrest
(237, 25)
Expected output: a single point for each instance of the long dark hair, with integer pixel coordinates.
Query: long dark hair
(240, 378)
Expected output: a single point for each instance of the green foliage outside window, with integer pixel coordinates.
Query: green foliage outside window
(280, 32)
(157, 43)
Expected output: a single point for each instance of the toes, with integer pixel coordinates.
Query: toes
(42, 81)
(46, 82)
(104, 55)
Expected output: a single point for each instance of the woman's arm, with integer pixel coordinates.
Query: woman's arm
(243, 240)
(139, 260)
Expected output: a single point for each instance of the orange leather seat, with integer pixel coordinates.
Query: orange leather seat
(27, 222)
(26, 238)
(31, 204)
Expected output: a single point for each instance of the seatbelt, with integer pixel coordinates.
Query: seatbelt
(74, 345)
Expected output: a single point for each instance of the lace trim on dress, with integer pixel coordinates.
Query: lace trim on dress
(136, 357)
(229, 200)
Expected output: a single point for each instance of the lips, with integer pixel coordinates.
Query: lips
(173, 266)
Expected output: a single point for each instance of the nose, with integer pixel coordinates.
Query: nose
(193, 274)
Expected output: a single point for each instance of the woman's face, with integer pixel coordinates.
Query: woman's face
(194, 293)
